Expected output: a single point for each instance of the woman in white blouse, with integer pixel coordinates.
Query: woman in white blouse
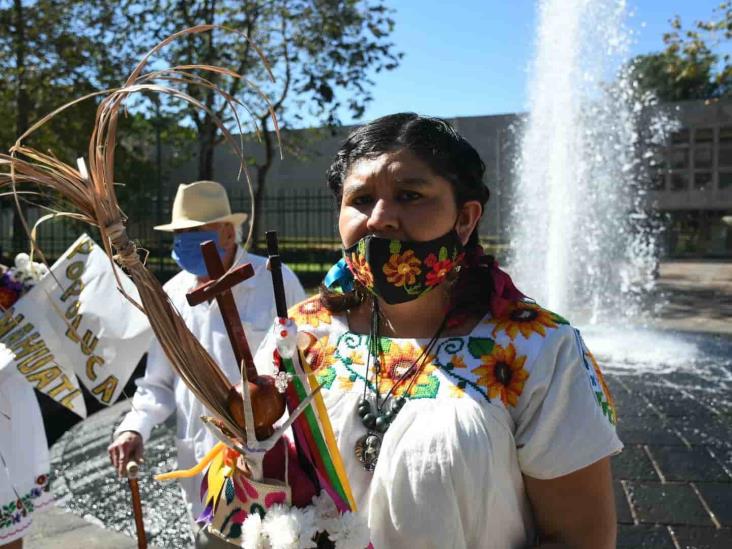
(466, 415)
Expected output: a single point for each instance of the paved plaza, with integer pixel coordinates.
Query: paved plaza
(673, 481)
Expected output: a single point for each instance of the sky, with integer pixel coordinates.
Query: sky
(470, 57)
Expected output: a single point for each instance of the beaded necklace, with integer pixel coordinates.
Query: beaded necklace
(378, 418)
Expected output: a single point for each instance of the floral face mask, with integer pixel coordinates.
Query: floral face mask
(402, 270)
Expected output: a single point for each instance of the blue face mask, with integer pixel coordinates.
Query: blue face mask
(187, 250)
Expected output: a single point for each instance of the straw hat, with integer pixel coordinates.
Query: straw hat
(200, 203)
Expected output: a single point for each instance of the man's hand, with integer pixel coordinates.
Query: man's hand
(126, 447)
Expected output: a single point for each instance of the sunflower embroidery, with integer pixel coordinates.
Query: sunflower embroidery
(525, 318)
(396, 363)
(310, 312)
(402, 269)
(360, 268)
(503, 374)
(320, 355)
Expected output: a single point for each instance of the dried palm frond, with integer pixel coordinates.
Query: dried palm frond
(91, 198)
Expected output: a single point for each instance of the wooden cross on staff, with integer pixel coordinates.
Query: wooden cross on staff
(219, 287)
(268, 404)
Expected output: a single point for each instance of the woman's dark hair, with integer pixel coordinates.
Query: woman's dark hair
(435, 142)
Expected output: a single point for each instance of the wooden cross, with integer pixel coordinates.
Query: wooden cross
(268, 404)
(219, 287)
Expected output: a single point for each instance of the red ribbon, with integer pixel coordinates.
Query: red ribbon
(503, 292)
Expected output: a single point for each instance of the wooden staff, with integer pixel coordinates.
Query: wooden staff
(275, 267)
(132, 471)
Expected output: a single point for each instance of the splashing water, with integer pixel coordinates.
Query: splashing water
(584, 240)
(583, 244)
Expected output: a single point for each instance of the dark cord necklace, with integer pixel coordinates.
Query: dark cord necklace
(378, 416)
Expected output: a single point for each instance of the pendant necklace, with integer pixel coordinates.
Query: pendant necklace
(378, 416)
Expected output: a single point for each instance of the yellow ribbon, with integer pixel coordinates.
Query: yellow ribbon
(197, 469)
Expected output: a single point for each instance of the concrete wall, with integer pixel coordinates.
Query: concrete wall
(490, 135)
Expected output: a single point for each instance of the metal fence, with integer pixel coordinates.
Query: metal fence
(305, 220)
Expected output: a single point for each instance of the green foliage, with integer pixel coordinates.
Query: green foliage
(693, 64)
(317, 50)
(319, 55)
(55, 51)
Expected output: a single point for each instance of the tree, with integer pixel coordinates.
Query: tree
(320, 52)
(691, 66)
(36, 68)
(54, 51)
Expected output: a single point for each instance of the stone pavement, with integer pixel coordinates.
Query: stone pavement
(697, 296)
(85, 485)
(673, 481)
(60, 529)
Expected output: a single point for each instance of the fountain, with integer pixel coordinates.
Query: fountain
(583, 243)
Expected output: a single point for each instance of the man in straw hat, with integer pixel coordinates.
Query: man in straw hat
(201, 212)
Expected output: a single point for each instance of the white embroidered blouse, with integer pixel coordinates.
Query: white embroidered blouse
(519, 395)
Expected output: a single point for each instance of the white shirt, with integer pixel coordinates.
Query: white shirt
(519, 395)
(161, 392)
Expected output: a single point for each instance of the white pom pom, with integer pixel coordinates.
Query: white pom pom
(21, 261)
(290, 527)
(252, 534)
(281, 528)
(353, 532)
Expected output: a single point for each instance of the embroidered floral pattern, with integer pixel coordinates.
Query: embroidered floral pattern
(345, 383)
(230, 497)
(457, 362)
(494, 368)
(440, 268)
(453, 364)
(525, 318)
(326, 377)
(320, 354)
(361, 270)
(502, 372)
(395, 361)
(402, 268)
(13, 512)
(310, 311)
(457, 391)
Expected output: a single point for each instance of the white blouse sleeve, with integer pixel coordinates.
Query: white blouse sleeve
(154, 400)
(564, 417)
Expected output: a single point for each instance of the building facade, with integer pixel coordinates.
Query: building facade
(692, 180)
(690, 187)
